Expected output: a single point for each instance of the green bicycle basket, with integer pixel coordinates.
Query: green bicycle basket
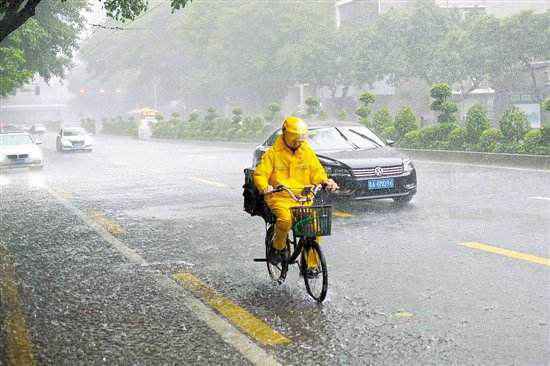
(311, 221)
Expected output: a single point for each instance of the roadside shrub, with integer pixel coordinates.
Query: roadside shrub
(457, 138)
(168, 129)
(381, 120)
(513, 125)
(120, 126)
(489, 139)
(313, 106)
(342, 115)
(443, 104)
(273, 111)
(477, 121)
(532, 143)
(389, 133)
(211, 114)
(411, 140)
(365, 100)
(435, 136)
(88, 124)
(323, 116)
(405, 121)
(507, 147)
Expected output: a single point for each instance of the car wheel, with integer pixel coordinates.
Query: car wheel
(403, 200)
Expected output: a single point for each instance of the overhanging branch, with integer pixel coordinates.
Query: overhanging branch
(16, 15)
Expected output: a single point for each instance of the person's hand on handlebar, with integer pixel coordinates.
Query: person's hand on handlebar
(268, 190)
(330, 185)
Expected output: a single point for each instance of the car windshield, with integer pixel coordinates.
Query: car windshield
(12, 140)
(73, 132)
(362, 137)
(329, 139)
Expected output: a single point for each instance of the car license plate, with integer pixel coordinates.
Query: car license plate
(380, 183)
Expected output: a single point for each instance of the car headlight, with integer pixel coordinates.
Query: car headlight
(337, 171)
(408, 165)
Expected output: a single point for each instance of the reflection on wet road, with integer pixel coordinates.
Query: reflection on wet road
(98, 238)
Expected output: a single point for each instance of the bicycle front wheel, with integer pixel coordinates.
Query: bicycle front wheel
(278, 271)
(315, 277)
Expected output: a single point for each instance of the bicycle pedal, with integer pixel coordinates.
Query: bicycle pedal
(260, 259)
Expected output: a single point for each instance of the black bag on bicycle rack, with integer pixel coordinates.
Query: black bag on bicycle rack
(253, 201)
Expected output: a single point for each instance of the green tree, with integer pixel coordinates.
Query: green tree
(365, 101)
(442, 93)
(513, 125)
(273, 110)
(405, 121)
(237, 116)
(477, 121)
(211, 114)
(43, 46)
(381, 120)
(313, 106)
(14, 13)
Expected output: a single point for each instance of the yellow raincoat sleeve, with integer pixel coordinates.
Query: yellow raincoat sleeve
(263, 171)
(318, 172)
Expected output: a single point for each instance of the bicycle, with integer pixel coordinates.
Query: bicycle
(309, 222)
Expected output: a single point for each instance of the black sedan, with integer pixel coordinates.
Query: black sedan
(359, 161)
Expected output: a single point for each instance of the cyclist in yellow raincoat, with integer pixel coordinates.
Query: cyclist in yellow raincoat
(290, 162)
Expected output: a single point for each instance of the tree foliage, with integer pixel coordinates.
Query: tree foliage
(442, 93)
(14, 13)
(405, 122)
(513, 125)
(44, 45)
(477, 121)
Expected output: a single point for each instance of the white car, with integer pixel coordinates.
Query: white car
(73, 139)
(19, 150)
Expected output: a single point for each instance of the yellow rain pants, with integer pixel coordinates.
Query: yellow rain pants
(295, 170)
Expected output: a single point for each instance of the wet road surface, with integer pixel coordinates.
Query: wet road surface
(140, 253)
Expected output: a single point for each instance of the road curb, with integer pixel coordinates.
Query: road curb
(509, 160)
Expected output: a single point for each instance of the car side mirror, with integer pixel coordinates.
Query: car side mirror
(390, 142)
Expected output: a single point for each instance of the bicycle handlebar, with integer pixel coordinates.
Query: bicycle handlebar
(308, 191)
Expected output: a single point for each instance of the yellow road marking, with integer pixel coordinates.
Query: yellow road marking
(18, 344)
(339, 213)
(403, 314)
(109, 225)
(248, 323)
(210, 182)
(508, 253)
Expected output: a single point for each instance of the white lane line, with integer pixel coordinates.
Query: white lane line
(540, 198)
(225, 330)
(483, 166)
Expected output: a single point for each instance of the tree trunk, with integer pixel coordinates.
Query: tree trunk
(13, 19)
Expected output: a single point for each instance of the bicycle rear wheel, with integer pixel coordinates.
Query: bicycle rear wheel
(278, 271)
(317, 279)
